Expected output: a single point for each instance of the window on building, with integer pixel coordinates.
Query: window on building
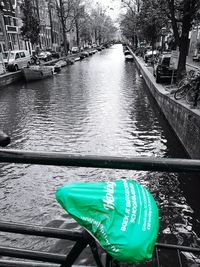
(6, 20)
(15, 22)
(9, 21)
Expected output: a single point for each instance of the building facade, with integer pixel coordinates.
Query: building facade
(54, 26)
(9, 23)
(50, 36)
(194, 40)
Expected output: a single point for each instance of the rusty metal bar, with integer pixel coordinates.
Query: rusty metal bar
(179, 258)
(157, 256)
(129, 163)
(176, 247)
(12, 263)
(32, 255)
(64, 234)
(40, 231)
(74, 253)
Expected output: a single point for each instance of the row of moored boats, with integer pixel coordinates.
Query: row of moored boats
(127, 54)
(39, 72)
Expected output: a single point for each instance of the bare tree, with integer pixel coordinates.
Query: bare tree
(65, 10)
(181, 13)
(102, 25)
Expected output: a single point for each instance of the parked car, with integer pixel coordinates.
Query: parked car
(54, 54)
(162, 69)
(196, 57)
(45, 55)
(75, 49)
(149, 54)
(16, 59)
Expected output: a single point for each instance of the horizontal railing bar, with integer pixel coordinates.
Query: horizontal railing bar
(40, 231)
(177, 247)
(32, 255)
(11, 263)
(133, 163)
(19, 228)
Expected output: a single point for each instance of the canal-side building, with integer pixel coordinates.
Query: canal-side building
(9, 24)
(54, 25)
(50, 36)
(3, 36)
(194, 40)
(23, 44)
(45, 31)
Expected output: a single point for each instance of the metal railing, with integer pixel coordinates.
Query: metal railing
(82, 239)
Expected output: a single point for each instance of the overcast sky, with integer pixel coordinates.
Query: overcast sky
(113, 6)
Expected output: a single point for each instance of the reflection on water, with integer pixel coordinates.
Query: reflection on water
(99, 106)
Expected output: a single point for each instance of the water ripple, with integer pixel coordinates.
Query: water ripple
(99, 106)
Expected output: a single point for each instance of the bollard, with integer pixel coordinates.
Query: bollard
(4, 139)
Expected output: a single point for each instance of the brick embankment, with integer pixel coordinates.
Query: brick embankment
(184, 120)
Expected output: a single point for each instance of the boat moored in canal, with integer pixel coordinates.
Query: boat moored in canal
(37, 72)
(128, 55)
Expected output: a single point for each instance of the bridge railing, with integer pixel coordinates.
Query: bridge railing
(82, 239)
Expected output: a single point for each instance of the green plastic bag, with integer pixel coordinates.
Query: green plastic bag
(122, 215)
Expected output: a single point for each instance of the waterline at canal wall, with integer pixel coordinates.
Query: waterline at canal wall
(184, 121)
(9, 78)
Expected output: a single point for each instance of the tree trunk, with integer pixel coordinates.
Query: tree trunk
(38, 15)
(182, 56)
(63, 27)
(77, 32)
(173, 21)
(183, 45)
(51, 25)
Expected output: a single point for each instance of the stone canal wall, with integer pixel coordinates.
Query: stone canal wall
(184, 121)
(9, 78)
(12, 77)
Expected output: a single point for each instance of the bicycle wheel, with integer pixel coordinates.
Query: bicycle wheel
(190, 96)
(182, 82)
(181, 92)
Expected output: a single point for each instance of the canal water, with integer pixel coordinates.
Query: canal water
(98, 106)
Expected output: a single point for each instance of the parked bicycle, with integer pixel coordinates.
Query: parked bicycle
(17, 257)
(185, 85)
(193, 94)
